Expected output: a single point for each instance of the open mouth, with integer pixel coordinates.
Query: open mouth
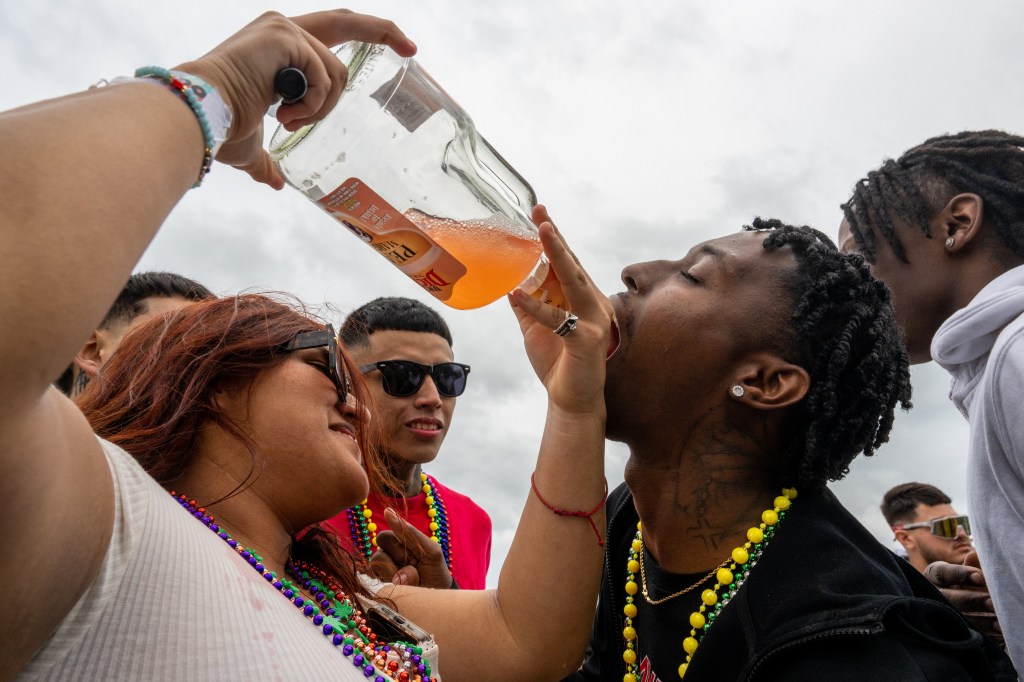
(613, 339)
(424, 425)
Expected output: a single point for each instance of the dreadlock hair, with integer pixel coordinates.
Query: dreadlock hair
(844, 333)
(914, 187)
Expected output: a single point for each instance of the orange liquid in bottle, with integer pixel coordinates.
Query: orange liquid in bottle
(497, 253)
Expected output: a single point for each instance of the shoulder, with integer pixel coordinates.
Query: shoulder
(916, 639)
(1009, 344)
(851, 575)
(1007, 354)
(851, 659)
(619, 495)
(118, 457)
(619, 506)
(133, 486)
(884, 620)
(1005, 378)
(621, 517)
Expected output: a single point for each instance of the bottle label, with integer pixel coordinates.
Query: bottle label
(408, 97)
(394, 236)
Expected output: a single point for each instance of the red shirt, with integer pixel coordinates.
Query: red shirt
(469, 529)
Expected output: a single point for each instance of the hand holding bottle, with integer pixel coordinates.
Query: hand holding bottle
(244, 66)
(572, 364)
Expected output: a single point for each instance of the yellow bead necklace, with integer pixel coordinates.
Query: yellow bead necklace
(730, 578)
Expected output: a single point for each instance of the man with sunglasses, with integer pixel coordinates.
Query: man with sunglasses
(926, 524)
(938, 543)
(404, 350)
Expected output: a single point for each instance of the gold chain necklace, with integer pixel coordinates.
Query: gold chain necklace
(655, 602)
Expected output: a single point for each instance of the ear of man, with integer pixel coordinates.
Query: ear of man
(90, 357)
(906, 539)
(770, 382)
(961, 222)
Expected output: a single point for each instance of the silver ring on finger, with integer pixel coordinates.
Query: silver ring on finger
(568, 324)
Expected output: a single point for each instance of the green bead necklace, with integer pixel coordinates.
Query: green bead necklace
(363, 529)
(728, 581)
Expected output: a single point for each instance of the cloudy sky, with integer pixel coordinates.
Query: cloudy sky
(645, 131)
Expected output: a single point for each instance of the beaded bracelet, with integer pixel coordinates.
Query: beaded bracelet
(589, 516)
(212, 112)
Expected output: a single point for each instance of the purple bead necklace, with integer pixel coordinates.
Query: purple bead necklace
(331, 611)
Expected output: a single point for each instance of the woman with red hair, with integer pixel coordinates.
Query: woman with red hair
(170, 530)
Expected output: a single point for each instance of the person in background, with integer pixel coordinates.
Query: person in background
(405, 350)
(936, 541)
(146, 295)
(943, 227)
(926, 525)
(162, 525)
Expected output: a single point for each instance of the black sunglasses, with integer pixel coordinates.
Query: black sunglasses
(335, 365)
(403, 378)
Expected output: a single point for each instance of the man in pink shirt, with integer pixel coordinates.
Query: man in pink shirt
(404, 349)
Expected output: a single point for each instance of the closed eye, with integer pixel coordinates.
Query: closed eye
(690, 278)
(318, 358)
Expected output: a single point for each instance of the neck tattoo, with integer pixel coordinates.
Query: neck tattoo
(364, 531)
(729, 577)
(331, 611)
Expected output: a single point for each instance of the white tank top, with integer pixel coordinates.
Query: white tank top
(173, 601)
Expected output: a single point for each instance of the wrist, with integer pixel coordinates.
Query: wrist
(584, 416)
(211, 111)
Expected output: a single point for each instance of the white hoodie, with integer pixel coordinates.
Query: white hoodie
(982, 347)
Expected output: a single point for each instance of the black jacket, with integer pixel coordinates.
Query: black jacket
(825, 601)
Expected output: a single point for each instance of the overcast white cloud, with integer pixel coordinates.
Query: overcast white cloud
(645, 130)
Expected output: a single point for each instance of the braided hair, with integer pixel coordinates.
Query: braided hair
(844, 333)
(916, 186)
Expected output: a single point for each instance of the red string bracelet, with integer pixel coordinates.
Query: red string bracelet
(589, 516)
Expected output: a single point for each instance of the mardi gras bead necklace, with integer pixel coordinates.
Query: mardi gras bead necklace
(407, 664)
(364, 531)
(331, 611)
(729, 579)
